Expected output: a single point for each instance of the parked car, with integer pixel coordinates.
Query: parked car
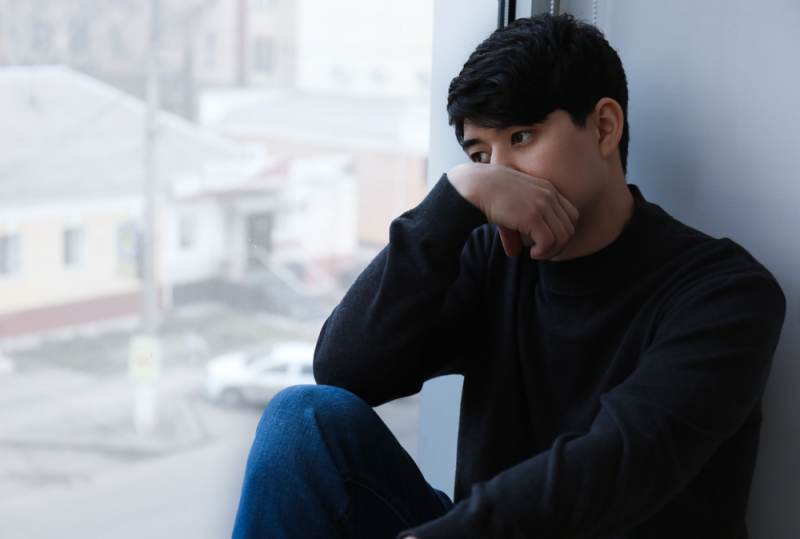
(255, 374)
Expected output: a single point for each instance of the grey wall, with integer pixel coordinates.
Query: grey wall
(714, 90)
(715, 138)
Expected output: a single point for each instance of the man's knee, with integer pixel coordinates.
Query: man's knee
(296, 406)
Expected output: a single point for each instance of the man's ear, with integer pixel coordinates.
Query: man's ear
(609, 121)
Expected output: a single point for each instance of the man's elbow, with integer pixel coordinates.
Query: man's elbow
(329, 368)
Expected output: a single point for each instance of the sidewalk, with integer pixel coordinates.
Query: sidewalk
(51, 408)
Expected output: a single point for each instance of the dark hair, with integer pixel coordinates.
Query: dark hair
(533, 66)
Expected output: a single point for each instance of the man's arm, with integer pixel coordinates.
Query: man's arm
(695, 386)
(415, 309)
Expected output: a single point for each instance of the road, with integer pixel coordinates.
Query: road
(70, 465)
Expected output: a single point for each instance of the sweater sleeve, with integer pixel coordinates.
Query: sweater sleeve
(408, 316)
(701, 376)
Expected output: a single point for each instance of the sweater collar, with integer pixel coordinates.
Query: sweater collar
(611, 266)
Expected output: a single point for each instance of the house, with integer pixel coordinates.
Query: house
(71, 204)
(203, 43)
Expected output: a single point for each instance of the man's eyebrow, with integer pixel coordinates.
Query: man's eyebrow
(470, 142)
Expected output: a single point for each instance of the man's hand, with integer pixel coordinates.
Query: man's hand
(520, 205)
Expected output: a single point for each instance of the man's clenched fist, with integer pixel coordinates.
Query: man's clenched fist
(522, 206)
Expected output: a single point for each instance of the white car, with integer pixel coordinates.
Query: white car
(256, 374)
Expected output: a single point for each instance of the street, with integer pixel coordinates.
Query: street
(71, 464)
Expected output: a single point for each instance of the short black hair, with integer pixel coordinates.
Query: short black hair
(533, 66)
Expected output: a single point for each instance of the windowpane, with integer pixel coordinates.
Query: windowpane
(186, 232)
(262, 54)
(151, 263)
(73, 247)
(9, 254)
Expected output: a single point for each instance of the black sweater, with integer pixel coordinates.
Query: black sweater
(616, 395)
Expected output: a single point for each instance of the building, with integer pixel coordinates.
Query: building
(71, 186)
(385, 137)
(203, 43)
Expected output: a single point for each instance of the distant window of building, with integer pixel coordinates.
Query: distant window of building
(186, 232)
(73, 247)
(210, 52)
(9, 254)
(117, 44)
(263, 54)
(260, 227)
(78, 36)
(128, 249)
(41, 36)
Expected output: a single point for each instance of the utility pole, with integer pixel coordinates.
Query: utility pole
(150, 295)
(241, 42)
(145, 350)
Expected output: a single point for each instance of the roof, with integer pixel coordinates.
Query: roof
(67, 135)
(394, 123)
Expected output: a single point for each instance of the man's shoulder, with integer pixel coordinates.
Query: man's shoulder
(716, 267)
(702, 258)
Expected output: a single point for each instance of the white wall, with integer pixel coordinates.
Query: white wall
(714, 90)
(205, 258)
(343, 35)
(318, 212)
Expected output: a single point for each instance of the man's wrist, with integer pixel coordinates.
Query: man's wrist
(465, 180)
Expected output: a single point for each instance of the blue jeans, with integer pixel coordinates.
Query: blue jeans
(324, 465)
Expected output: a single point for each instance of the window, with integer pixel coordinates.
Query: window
(117, 44)
(268, 207)
(262, 54)
(78, 36)
(9, 254)
(186, 232)
(259, 239)
(128, 250)
(41, 36)
(73, 247)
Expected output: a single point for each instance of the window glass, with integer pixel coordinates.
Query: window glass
(174, 207)
(9, 253)
(73, 247)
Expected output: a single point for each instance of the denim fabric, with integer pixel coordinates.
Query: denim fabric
(324, 465)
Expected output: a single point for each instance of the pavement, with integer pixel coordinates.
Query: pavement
(73, 465)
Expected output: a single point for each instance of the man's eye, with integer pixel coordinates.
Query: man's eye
(476, 157)
(518, 137)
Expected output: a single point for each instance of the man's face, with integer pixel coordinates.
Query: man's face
(556, 150)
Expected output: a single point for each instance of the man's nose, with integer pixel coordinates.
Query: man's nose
(503, 157)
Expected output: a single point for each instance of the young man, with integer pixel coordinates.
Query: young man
(613, 370)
